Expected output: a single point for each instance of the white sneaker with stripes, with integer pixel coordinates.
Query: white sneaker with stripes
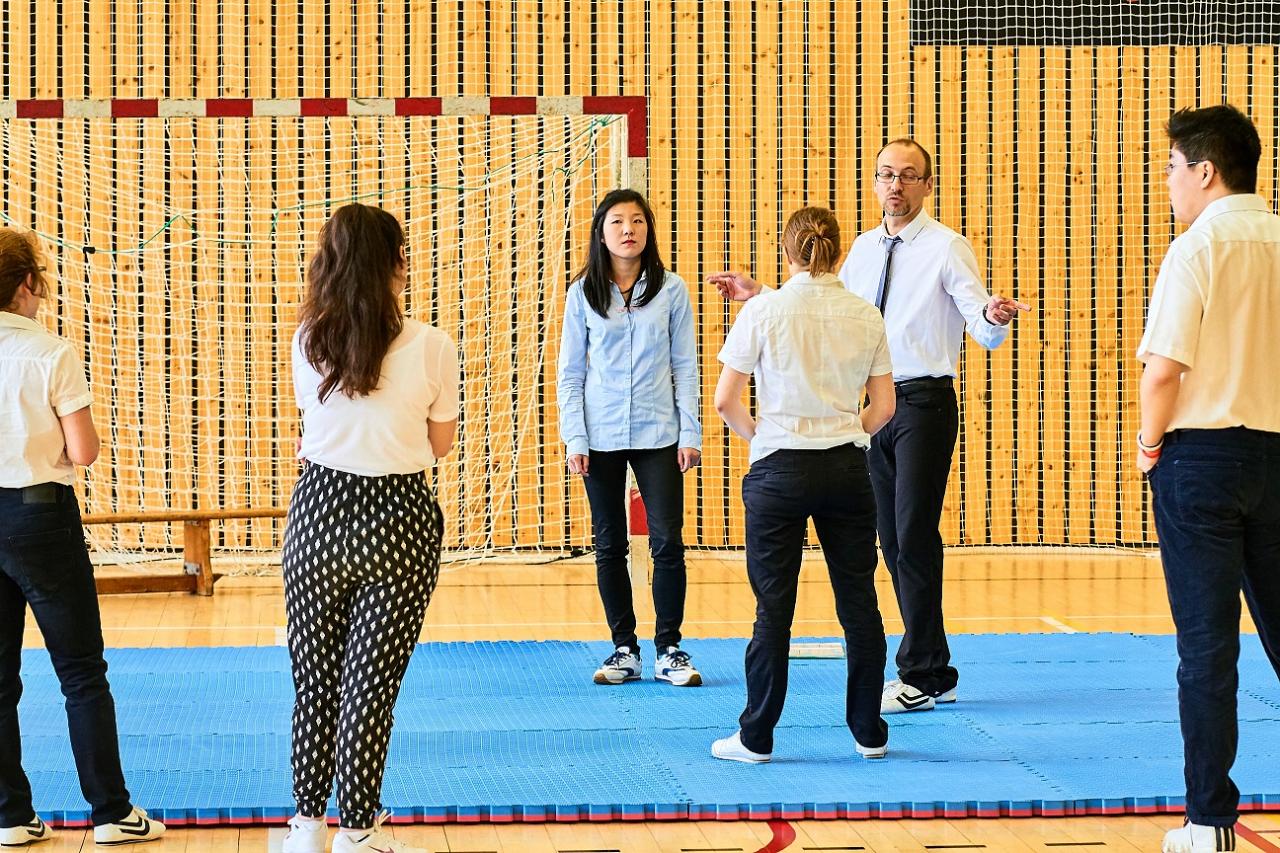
(1194, 838)
(26, 833)
(899, 698)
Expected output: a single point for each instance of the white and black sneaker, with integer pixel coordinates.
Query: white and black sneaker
(900, 698)
(372, 840)
(306, 835)
(731, 749)
(24, 834)
(673, 665)
(872, 752)
(134, 829)
(1194, 838)
(622, 665)
(945, 696)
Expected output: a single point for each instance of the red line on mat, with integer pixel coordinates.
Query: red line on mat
(1255, 839)
(783, 834)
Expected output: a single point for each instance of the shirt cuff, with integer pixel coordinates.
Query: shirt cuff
(75, 404)
(690, 440)
(577, 447)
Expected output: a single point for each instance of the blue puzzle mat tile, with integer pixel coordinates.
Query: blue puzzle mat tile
(1047, 724)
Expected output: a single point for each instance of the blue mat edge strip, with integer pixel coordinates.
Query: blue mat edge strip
(682, 811)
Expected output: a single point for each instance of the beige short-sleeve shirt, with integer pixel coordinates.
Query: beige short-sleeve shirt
(1216, 309)
(41, 380)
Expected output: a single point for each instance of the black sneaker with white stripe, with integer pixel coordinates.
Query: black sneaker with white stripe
(134, 829)
(24, 834)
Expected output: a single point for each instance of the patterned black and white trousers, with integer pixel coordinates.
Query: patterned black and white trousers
(361, 559)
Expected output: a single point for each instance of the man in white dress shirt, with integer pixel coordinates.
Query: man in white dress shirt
(1210, 444)
(924, 279)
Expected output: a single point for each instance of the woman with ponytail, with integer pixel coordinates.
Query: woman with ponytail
(815, 349)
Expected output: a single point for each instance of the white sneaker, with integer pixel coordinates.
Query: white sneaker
(946, 696)
(24, 834)
(674, 666)
(622, 665)
(305, 836)
(899, 698)
(872, 751)
(372, 841)
(137, 827)
(1194, 838)
(731, 749)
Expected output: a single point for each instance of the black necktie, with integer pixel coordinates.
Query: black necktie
(890, 244)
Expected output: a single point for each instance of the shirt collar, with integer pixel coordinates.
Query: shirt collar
(825, 279)
(17, 321)
(1230, 204)
(912, 230)
(643, 279)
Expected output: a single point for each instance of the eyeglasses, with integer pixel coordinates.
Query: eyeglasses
(907, 179)
(1168, 170)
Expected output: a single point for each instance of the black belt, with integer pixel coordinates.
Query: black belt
(923, 383)
(44, 493)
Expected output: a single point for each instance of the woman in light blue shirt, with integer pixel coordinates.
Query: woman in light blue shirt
(628, 392)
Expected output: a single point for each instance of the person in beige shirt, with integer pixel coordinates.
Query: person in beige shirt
(45, 431)
(1210, 443)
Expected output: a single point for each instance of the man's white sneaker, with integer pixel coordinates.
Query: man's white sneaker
(945, 696)
(673, 665)
(24, 834)
(899, 698)
(622, 665)
(372, 841)
(1194, 838)
(872, 751)
(137, 827)
(731, 749)
(305, 835)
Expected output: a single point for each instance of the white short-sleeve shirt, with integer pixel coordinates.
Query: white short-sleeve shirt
(811, 346)
(385, 431)
(1216, 308)
(41, 380)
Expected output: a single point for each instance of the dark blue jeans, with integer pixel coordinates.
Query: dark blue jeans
(910, 462)
(1217, 506)
(44, 564)
(782, 492)
(662, 488)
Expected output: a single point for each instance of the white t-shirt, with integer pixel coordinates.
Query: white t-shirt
(1216, 309)
(41, 379)
(384, 432)
(811, 345)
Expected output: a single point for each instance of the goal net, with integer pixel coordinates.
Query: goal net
(177, 248)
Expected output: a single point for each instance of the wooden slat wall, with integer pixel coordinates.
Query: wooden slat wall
(1048, 158)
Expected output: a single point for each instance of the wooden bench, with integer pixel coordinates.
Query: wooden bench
(197, 577)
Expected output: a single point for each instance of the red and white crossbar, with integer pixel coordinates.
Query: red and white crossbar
(632, 107)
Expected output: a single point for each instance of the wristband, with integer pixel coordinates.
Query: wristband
(1150, 454)
(1159, 444)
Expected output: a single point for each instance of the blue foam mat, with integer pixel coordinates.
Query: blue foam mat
(1047, 724)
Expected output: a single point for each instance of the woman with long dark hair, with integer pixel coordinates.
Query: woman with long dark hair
(628, 395)
(48, 430)
(379, 398)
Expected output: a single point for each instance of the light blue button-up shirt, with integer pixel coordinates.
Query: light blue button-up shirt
(629, 381)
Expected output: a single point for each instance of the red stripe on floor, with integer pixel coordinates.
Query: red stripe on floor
(1255, 839)
(783, 835)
